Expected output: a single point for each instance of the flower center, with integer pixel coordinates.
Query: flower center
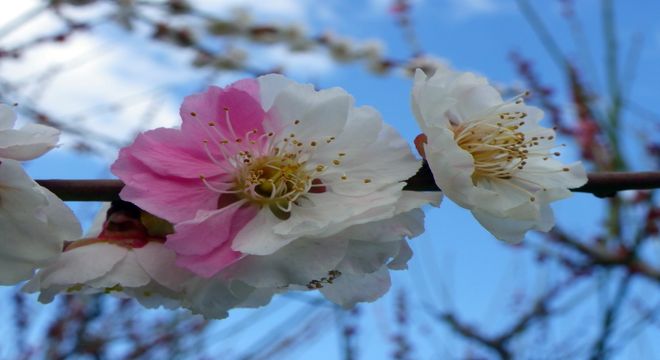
(499, 150)
(276, 181)
(265, 172)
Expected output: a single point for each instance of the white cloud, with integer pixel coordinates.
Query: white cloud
(297, 64)
(123, 68)
(14, 28)
(98, 71)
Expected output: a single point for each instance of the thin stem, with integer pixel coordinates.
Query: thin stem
(542, 32)
(602, 184)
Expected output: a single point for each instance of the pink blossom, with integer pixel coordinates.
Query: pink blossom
(260, 164)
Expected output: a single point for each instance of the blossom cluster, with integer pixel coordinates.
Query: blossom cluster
(34, 223)
(271, 186)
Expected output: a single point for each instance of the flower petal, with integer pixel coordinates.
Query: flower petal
(34, 224)
(321, 114)
(126, 273)
(173, 199)
(210, 229)
(369, 163)
(513, 230)
(30, 142)
(158, 261)
(82, 265)
(244, 113)
(332, 213)
(213, 298)
(299, 263)
(349, 289)
(258, 238)
(270, 86)
(168, 153)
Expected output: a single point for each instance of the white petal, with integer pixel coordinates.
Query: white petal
(474, 97)
(270, 86)
(82, 265)
(381, 162)
(349, 289)
(365, 257)
(500, 198)
(408, 224)
(332, 213)
(158, 261)
(127, 273)
(18, 191)
(213, 298)
(321, 114)
(363, 127)
(513, 230)
(549, 174)
(400, 262)
(452, 166)
(34, 224)
(153, 295)
(258, 238)
(62, 222)
(258, 298)
(28, 143)
(415, 199)
(430, 103)
(300, 262)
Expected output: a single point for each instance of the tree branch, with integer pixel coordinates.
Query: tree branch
(601, 184)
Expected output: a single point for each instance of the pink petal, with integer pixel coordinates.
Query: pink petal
(173, 199)
(169, 152)
(210, 264)
(203, 245)
(207, 231)
(244, 109)
(250, 86)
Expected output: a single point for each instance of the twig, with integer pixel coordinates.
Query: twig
(84, 190)
(599, 350)
(601, 184)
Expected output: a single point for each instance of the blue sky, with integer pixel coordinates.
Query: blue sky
(457, 265)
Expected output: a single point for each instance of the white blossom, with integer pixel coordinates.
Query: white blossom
(33, 222)
(126, 262)
(489, 155)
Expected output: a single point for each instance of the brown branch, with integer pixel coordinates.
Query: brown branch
(84, 190)
(601, 184)
(603, 257)
(473, 334)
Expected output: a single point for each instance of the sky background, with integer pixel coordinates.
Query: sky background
(457, 264)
